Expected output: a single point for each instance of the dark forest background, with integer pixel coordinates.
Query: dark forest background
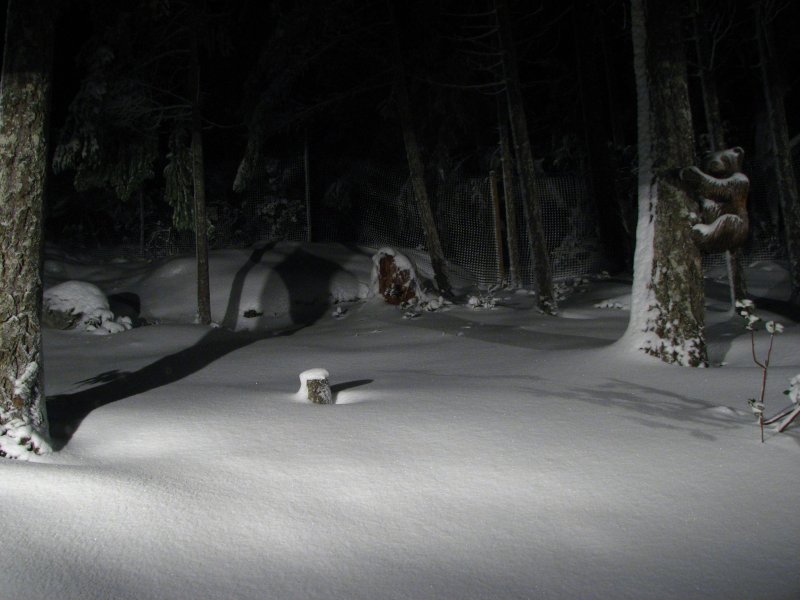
(275, 76)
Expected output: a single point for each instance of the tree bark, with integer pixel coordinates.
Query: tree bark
(510, 196)
(416, 168)
(307, 186)
(494, 192)
(667, 306)
(199, 186)
(785, 180)
(519, 132)
(24, 108)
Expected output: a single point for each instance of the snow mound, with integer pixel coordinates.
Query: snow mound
(88, 304)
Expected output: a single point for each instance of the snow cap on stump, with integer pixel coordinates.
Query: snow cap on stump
(315, 387)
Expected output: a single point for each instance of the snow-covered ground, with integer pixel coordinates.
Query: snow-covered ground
(472, 453)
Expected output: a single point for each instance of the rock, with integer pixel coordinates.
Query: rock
(59, 319)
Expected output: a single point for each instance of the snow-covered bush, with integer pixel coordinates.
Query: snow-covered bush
(428, 303)
(81, 305)
(746, 310)
(613, 304)
(787, 416)
(482, 300)
(794, 389)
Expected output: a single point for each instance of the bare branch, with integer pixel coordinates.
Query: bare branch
(461, 86)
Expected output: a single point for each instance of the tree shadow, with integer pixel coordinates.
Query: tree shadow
(720, 338)
(67, 411)
(237, 286)
(783, 308)
(308, 281)
(510, 335)
(338, 388)
(699, 418)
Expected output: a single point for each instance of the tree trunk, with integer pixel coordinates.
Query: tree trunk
(140, 196)
(785, 180)
(510, 197)
(199, 186)
(708, 87)
(307, 185)
(522, 144)
(24, 99)
(667, 306)
(416, 168)
(716, 141)
(494, 192)
(624, 186)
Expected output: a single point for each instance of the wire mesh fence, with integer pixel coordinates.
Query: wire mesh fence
(765, 240)
(370, 204)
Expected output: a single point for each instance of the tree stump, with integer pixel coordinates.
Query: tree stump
(315, 387)
(394, 277)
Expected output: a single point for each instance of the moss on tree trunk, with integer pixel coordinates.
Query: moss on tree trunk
(671, 327)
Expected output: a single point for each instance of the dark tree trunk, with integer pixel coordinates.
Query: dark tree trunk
(667, 311)
(616, 244)
(708, 87)
(510, 196)
(416, 167)
(307, 185)
(140, 196)
(519, 132)
(24, 98)
(785, 180)
(199, 186)
(716, 141)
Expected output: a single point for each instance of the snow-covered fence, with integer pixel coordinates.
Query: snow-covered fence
(373, 205)
(765, 241)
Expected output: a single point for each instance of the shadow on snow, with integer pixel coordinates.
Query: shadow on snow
(304, 275)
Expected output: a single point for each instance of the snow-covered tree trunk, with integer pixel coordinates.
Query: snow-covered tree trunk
(24, 97)
(522, 144)
(785, 179)
(667, 307)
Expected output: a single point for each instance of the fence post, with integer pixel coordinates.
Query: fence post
(498, 228)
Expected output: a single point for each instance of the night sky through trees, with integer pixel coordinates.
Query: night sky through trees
(323, 70)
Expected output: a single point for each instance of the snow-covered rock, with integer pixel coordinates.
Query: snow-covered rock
(81, 305)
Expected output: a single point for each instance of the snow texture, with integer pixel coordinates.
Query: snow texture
(470, 454)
